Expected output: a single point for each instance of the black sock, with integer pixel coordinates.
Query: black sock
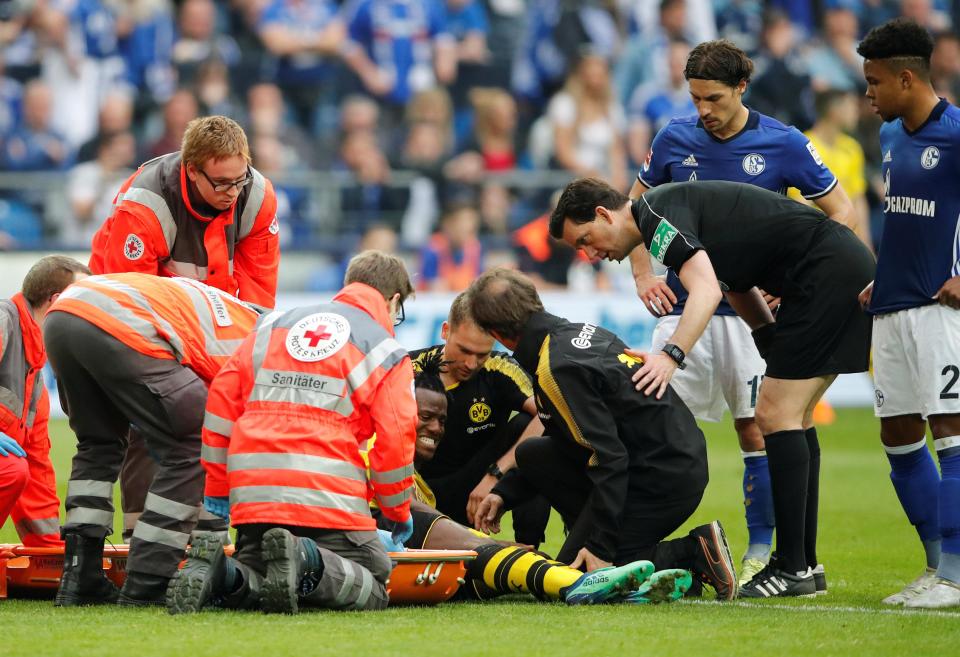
(789, 459)
(676, 553)
(813, 498)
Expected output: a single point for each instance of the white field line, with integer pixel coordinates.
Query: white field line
(826, 609)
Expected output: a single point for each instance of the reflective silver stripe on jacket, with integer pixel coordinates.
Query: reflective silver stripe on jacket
(213, 454)
(170, 508)
(300, 462)
(157, 205)
(397, 499)
(391, 476)
(187, 269)
(386, 354)
(258, 190)
(294, 495)
(268, 393)
(217, 424)
(10, 401)
(89, 488)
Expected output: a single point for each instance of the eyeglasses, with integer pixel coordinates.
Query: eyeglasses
(398, 320)
(225, 186)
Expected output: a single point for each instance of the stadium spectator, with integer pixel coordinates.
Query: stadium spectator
(623, 470)
(644, 59)
(652, 106)
(214, 91)
(292, 548)
(146, 44)
(371, 196)
(835, 63)
(116, 116)
(11, 99)
(399, 47)
(276, 161)
(945, 66)
(781, 83)
(926, 14)
(35, 145)
(914, 300)
(740, 21)
(699, 21)
(178, 112)
(494, 136)
(268, 118)
(588, 123)
(467, 24)
(28, 487)
(92, 187)
(136, 349)
(303, 36)
(454, 256)
(198, 40)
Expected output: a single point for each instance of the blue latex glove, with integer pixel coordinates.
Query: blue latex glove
(10, 446)
(402, 531)
(218, 506)
(388, 543)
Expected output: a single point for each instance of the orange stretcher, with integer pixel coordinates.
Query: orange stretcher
(420, 577)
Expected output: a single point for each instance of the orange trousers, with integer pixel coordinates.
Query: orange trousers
(28, 493)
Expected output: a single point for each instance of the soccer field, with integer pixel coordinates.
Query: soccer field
(865, 542)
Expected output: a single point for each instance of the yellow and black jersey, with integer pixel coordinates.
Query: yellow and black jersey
(637, 445)
(421, 490)
(478, 409)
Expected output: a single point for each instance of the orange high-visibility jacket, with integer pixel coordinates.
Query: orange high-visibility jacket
(289, 412)
(171, 318)
(24, 414)
(154, 229)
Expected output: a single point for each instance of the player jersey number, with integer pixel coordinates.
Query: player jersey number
(754, 385)
(954, 373)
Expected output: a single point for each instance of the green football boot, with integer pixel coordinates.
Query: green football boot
(607, 583)
(662, 586)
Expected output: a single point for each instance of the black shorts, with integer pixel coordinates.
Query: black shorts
(423, 522)
(821, 329)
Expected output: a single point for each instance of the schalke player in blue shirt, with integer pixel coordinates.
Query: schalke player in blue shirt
(726, 140)
(915, 300)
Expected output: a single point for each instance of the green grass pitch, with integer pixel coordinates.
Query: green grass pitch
(867, 546)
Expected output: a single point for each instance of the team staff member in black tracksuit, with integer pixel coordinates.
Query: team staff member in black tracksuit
(738, 238)
(623, 469)
(484, 388)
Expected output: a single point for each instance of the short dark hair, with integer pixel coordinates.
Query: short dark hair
(426, 372)
(824, 100)
(50, 275)
(502, 300)
(382, 271)
(720, 60)
(579, 201)
(459, 311)
(899, 39)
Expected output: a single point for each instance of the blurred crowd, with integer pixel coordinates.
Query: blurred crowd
(428, 121)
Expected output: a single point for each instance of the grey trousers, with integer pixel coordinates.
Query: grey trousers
(355, 565)
(105, 387)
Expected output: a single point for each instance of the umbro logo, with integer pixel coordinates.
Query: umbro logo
(691, 161)
(887, 157)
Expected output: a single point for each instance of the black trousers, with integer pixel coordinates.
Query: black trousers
(530, 516)
(558, 470)
(105, 386)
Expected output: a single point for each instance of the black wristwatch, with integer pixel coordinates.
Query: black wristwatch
(495, 471)
(676, 353)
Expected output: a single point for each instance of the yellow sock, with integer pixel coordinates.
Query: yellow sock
(515, 570)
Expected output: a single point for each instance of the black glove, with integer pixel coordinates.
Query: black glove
(763, 338)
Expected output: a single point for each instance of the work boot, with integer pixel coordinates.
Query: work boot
(83, 581)
(293, 565)
(203, 579)
(143, 590)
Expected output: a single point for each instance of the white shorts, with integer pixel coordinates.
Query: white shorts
(724, 369)
(916, 362)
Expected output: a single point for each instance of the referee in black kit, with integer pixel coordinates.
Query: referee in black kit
(730, 238)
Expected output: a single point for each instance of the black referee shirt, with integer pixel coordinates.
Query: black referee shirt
(753, 236)
(639, 445)
(477, 410)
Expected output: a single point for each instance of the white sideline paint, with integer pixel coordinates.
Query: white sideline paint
(827, 608)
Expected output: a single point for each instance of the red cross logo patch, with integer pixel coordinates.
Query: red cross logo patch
(133, 247)
(318, 336)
